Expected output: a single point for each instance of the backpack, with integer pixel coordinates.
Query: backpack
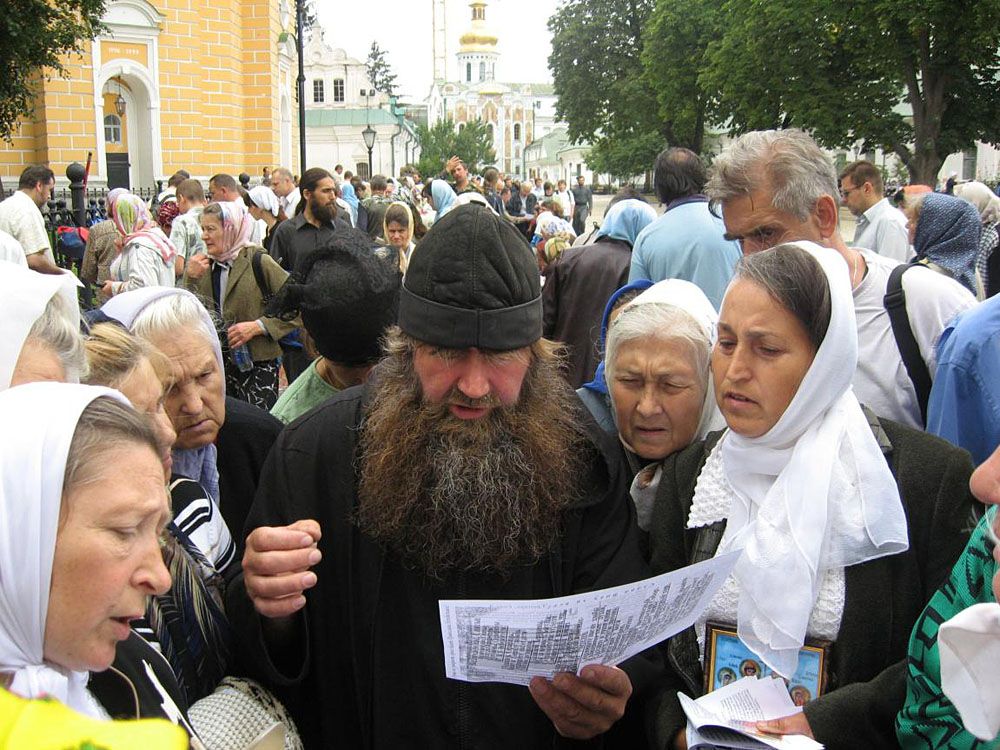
(895, 304)
(71, 241)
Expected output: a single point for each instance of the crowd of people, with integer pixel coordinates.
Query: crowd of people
(300, 414)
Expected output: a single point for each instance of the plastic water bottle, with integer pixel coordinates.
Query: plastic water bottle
(242, 358)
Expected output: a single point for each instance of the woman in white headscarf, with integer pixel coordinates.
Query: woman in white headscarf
(158, 314)
(80, 551)
(845, 523)
(40, 327)
(263, 206)
(656, 366)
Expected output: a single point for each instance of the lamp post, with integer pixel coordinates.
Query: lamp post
(300, 81)
(369, 134)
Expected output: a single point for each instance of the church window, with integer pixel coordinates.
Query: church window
(482, 71)
(489, 131)
(517, 131)
(319, 94)
(112, 129)
(338, 89)
(468, 72)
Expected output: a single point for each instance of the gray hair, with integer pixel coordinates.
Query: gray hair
(55, 331)
(104, 425)
(788, 162)
(657, 322)
(175, 312)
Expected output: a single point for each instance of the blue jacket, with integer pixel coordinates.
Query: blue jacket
(964, 406)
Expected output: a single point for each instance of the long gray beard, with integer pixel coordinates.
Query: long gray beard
(487, 495)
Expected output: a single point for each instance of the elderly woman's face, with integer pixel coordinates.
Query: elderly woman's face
(143, 388)
(759, 360)
(36, 363)
(196, 401)
(398, 235)
(211, 234)
(658, 395)
(107, 560)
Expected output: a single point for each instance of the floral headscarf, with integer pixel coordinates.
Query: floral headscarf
(237, 224)
(133, 221)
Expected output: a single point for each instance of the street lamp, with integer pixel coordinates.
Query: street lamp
(369, 134)
(120, 100)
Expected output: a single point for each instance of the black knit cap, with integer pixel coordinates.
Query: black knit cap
(472, 282)
(347, 292)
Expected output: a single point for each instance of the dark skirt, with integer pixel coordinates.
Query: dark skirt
(257, 386)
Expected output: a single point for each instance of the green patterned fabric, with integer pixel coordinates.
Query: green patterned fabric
(928, 719)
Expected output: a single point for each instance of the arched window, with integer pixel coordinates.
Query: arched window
(517, 131)
(489, 131)
(468, 72)
(461, 127)
(482, 71)
(112, 129)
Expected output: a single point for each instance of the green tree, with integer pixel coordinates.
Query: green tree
(674, 55)
(915, 79)
(598, 76)
(379, 72)
(441, 141)
(35, 35)
(625, 155)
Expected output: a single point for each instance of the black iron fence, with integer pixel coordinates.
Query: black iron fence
(76, 206)
(58, 212)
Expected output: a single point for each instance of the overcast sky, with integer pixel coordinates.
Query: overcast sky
(403, 29)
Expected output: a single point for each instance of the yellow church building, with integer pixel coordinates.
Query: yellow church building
(207, 87)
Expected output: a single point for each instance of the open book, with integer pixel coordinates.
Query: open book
(727, 717)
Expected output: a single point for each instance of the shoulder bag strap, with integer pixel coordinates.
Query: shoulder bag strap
(916, 368)
(258, 273)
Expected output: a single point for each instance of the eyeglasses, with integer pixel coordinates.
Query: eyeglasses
(846, 192)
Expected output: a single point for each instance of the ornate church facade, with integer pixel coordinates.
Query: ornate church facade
(206, 87)
(515, 114)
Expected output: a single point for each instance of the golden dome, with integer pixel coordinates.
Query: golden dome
(478, 38)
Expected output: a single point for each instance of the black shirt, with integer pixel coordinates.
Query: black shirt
(366, 669)
(295, 238)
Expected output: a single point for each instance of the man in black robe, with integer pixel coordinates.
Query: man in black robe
(465, 469)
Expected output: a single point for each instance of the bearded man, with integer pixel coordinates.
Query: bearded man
(314, 222)
(464, 469)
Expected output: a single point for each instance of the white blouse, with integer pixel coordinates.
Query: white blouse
(713, 496)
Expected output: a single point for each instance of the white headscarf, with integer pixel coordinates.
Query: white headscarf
(692, 300)
(813, 493)
(265, 199)
(25, 293)
(128, 306)
(40, 420)
(199, 464)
